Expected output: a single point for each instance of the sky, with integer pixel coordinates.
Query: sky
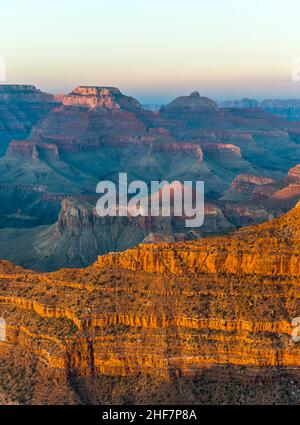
(154, 50)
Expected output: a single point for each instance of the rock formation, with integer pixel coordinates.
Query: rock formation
(194, 103)
(79, 235)
(21, 106)
(285, 108)
(101, 97)
(250, 187)
(68, 143)
(174, 314)
(294, 174)
(267, 249)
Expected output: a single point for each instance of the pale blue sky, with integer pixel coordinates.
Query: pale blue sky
(156, 49)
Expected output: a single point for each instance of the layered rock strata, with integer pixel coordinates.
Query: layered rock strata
(165, 311)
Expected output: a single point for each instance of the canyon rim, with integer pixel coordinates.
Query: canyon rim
(150, 207)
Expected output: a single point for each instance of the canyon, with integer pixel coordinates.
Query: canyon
(208, 321)
(142, 310)
(55, 149)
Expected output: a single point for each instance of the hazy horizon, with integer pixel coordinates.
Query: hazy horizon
(154, 51)
(156, 101)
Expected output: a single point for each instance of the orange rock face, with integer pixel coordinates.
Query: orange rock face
(162, 311)
(267, 249)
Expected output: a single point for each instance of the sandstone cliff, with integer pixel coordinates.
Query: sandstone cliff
(169, 311)
(100, 97)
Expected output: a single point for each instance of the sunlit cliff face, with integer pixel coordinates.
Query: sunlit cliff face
(229, 300)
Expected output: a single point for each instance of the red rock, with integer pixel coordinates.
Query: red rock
(100, 97)
(294, 173)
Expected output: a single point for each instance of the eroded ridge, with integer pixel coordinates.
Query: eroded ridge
(166, 310)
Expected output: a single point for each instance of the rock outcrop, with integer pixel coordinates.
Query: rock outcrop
(268, 249)
(227, 155)
(294, 174)
(190, 148)
(194, 103)
(101, 97)
(79, 235)
(250, 187)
